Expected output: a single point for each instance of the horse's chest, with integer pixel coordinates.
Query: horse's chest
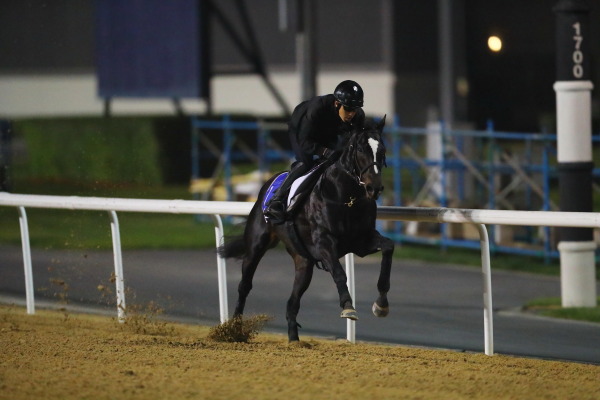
(349, 215)
(356, 218)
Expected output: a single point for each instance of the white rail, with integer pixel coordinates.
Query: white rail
(112, 205)
(217, 208)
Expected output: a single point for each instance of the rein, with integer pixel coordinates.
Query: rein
(349, 165)
(357, 174)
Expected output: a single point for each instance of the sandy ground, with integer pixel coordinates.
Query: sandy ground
(54, 355)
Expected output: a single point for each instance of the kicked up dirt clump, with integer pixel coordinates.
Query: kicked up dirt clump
(239, 329)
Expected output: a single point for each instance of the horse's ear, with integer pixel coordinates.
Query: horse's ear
(381, 123)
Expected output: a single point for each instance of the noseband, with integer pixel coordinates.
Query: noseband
(361, 172)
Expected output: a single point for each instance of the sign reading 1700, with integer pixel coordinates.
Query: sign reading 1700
(577, 53)
(572, 40)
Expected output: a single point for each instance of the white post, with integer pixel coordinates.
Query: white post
(573, 89)
(577, 274)
(118, 260)
(350, 281)
(488, 316)
(221, 270)
(29, 293)
(577, 261)
(434, 151)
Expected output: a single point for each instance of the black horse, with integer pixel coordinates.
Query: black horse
(337, 218)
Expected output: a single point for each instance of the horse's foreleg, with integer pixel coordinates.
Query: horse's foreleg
(340, 279)
(302, 278)
(329, 257)
(381, 305)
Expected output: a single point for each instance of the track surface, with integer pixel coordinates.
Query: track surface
(437, 306)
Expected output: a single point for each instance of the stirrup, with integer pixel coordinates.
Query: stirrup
(275, 212)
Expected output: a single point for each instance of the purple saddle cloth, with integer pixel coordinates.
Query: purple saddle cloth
(273, 188)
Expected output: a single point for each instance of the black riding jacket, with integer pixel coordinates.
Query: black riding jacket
(315, 126)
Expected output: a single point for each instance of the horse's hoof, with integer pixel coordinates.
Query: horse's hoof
(349, 313)
(380, 311)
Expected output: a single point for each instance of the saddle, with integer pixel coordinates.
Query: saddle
(299, 190)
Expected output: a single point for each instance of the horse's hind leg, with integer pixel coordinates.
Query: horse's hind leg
(260, 240)
(302, 278)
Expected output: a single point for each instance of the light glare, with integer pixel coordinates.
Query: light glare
(495, 43)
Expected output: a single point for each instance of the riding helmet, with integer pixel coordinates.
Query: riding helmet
(349, 93)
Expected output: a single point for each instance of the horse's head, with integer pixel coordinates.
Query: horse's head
(364, 157)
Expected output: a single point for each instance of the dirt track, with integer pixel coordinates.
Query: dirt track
(53, 355)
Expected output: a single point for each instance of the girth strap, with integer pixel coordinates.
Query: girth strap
(299, 245)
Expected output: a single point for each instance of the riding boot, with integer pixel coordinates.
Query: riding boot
(276, 210)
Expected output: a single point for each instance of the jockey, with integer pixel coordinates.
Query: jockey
(314, 129)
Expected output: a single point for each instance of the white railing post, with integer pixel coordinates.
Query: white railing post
(221, 270)
(350, 281)
(488, 317)
(29, 293)
(118, 260)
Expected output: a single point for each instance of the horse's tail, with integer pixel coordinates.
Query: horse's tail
(238, 246)
(233, 246)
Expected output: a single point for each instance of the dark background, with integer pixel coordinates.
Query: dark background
(514, 87)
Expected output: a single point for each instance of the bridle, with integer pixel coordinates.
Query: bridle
(357, 172)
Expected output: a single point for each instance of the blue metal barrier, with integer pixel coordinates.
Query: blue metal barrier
(490, 146)
(263, 155)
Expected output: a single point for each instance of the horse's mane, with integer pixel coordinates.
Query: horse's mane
(369, 125)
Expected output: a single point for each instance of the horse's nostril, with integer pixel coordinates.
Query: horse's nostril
(370, 189)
